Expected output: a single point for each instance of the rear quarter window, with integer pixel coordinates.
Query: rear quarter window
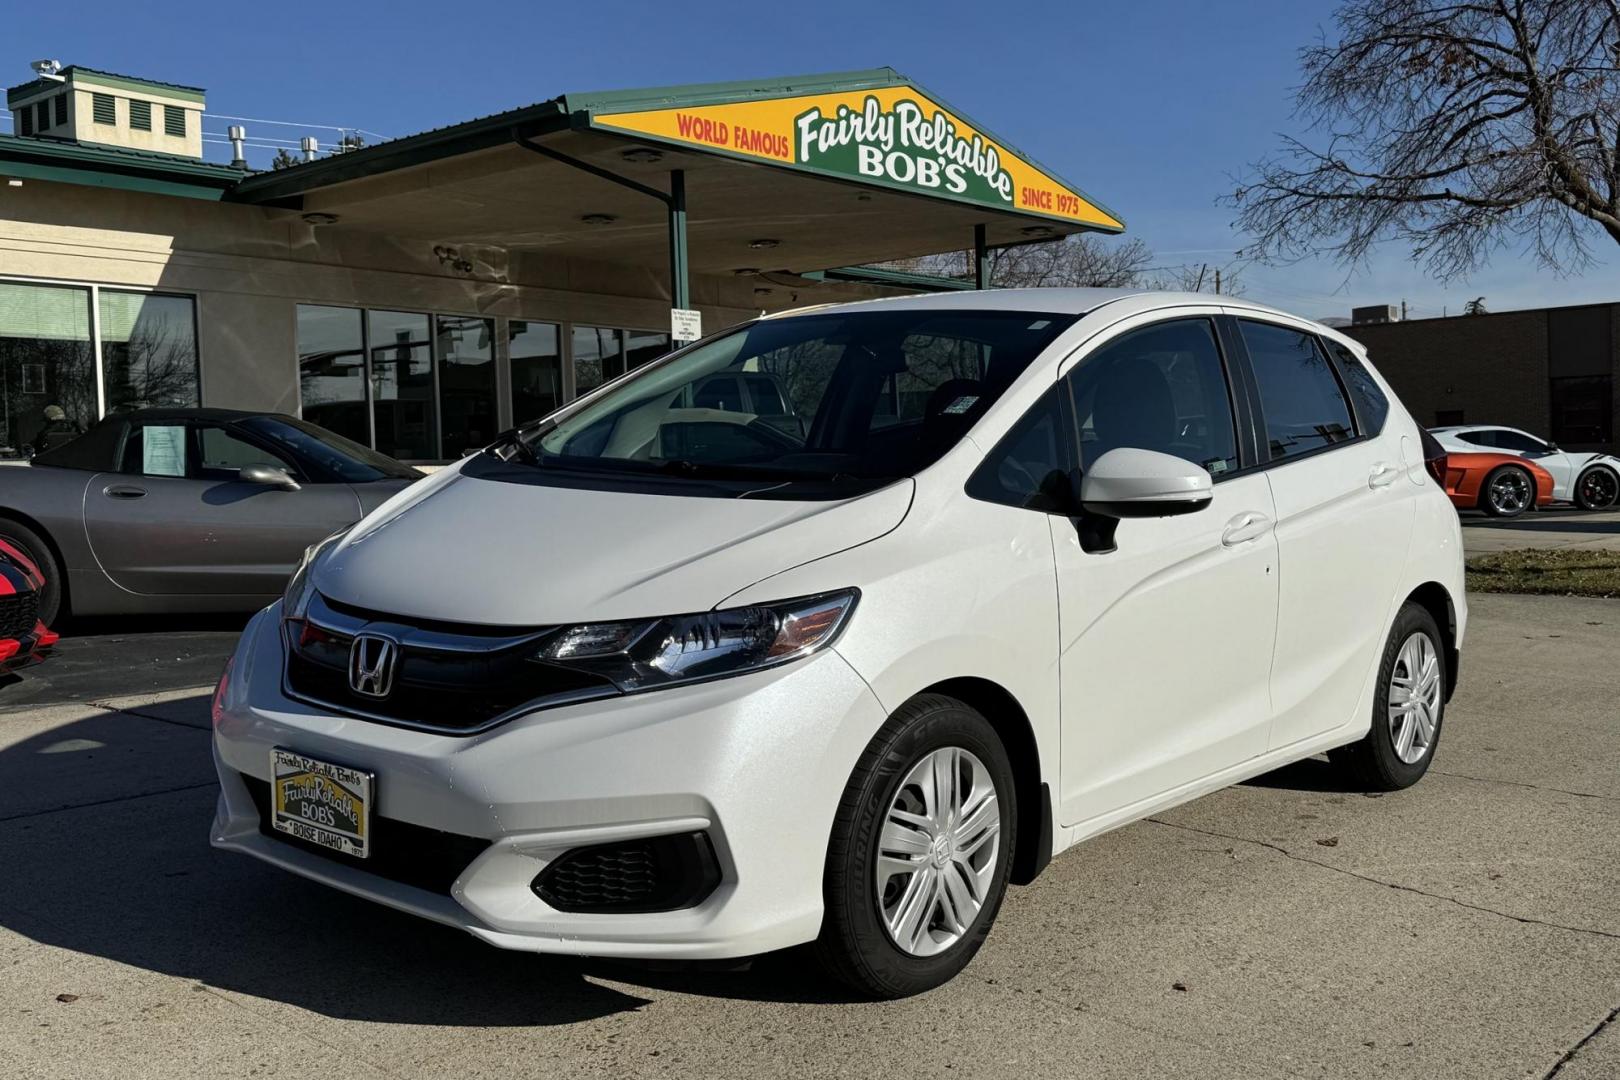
(1372, 405)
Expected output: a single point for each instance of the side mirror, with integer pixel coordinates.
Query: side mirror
(1133, 483)
(268, 475)
(1130, 482)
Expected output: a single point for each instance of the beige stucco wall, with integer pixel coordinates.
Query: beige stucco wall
(249, 267)
(81, 123)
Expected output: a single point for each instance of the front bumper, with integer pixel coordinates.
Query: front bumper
(30, 648)
(757, 762)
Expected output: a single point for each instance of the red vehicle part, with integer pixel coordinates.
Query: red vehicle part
(24, 639)
(1466, 474)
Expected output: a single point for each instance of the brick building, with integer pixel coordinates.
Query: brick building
(1550, 371)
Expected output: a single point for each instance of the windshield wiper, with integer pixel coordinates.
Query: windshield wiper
(517, 447)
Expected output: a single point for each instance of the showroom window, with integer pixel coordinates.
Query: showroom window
(47, 357)
(148, 350)
(536, 352)
(466, 383)
(52, 337)
(332, 370)
(426, 386)
(1583, 410)
(402, 407)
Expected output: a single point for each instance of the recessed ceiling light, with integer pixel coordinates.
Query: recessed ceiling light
(599, 219)
(763, 291)
(763, 244)
(1038, 230)
(642, 155)
(318, 218)
(746, 271)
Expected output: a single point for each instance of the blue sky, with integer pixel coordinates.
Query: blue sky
(1148, 106)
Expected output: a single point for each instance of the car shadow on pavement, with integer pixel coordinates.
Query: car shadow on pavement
(1311, 774)
(115, 863)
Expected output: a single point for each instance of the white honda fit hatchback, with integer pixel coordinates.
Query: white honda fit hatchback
(658, 677)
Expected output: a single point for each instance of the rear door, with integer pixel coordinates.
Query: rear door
(1345, 513)
(176, 520)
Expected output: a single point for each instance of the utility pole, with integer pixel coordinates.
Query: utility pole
(1403, 311)
(1217, 281)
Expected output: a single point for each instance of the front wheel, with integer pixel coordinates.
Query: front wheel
(920, 852)
(1407, 709)
(1598, 488)
(1508, 492)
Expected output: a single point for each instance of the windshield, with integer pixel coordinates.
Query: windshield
(327, 451)
(868, 395)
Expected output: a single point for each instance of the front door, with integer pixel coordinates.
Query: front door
(176, 521)
(1166, 641)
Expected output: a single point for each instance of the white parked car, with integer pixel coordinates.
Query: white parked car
(1589, 480)
(1042, 563)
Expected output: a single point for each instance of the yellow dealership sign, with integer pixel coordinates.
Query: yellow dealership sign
(893, 136)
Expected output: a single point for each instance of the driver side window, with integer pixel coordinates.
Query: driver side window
(1161, 387)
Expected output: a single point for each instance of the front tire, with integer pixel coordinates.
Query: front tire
(39, 553)
(1507, 492)
(1408, 708)
(920, 852)
(1598, 488)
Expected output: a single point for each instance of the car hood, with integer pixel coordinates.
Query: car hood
(463, 549)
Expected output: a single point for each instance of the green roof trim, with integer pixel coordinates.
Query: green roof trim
(107, 79)
(90, 165)
(725, 93)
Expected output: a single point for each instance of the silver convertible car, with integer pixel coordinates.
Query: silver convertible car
(185, 510)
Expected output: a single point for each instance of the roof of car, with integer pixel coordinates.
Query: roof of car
(1059, 301)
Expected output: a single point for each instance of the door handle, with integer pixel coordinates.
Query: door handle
(1249, 525)
(123, 491)
(1383, 474)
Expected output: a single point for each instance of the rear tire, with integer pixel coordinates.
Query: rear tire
(900, 891)
(1508, 491)
(1598, 488)
(52, 602)
(1408, 708)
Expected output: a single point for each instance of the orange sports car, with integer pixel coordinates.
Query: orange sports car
(1502, 485)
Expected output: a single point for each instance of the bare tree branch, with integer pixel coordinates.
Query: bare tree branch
(1456, 129)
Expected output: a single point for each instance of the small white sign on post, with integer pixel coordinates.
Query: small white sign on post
(685, 325)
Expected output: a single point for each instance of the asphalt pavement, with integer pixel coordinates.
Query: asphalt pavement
(1468, 927)
(1557, 527)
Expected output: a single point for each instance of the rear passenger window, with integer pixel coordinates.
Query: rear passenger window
(1029, 461)
(1372, 407)
(1304, 407)
(1158, 388)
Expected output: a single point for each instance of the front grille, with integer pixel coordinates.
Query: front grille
(661, 873)
(409, 854)
(448, 678)
(19, 613)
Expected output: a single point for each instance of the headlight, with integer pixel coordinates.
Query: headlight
(647, 653)
(295, 597)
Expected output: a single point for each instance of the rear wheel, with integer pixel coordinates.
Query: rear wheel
(1598, 488)
(920, 851)
(1407, 709)
(1508, 492)
(32, 545)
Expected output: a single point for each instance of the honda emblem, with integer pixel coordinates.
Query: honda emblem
(371, 665)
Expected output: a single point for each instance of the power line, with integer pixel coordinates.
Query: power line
(289, 123)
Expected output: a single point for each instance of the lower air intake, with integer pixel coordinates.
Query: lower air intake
(661, 873)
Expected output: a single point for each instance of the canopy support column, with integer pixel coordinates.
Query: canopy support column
(680, 288)
(680, 294)
(981, 259)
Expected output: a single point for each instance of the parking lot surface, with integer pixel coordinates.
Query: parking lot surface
(1469, 927)
(1560, 527)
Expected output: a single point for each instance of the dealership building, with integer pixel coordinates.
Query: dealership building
(423, 293)
(1549, 371)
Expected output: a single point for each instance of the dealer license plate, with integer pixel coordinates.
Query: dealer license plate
(322, 803)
